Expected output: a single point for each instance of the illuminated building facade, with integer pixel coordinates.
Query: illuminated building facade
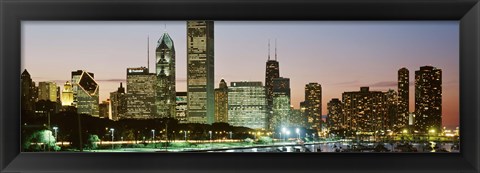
(335, 119)
(247, 105)
(428, 99)
(221, 102)
(165, 69)
(281, 104)
(67, 94)
(401, 120)
(313, 107)
(85, 93)
(140, 93)
(200, 71)
(365, 110)
(181, 108)
(392, 118)
(118, 102)
(47, 91)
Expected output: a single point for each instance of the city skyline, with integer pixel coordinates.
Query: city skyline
(230, 66)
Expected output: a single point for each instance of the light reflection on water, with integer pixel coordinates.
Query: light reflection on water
(342, 146)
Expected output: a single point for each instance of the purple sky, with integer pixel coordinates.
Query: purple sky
(340, 55)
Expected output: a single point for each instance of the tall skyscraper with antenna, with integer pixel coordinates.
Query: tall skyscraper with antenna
(165, 71)
(272, 71)
(200, 72)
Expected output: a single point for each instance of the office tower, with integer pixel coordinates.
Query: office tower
(364, 110)
(141, 90)
(181, 108)
(85, 93)
(47, 91)
(221, 102)
(281, 104)
(104, 109)
(313, 108)
(67, 94)
(272, 71)
(428, 99)
(403, 99)
(247, 105)
(165, 69)
(118, 102)
(335, 118)
(200, 71)
(392, 119)
(28, 92)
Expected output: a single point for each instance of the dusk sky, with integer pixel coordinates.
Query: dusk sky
(339, 55)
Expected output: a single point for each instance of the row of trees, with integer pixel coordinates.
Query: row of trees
(78, 129)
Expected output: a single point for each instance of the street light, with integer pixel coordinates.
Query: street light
(298, 132)
(55, 129)
(112, 130)
(210, 132)
(284, 131)
(230, 135)
(153, 137)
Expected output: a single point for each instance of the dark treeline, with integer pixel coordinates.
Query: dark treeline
(70, 124)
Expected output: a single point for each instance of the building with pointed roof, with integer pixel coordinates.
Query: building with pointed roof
(165, 72)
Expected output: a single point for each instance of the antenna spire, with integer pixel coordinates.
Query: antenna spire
(268, 49)
(275, 49)
(148, 53)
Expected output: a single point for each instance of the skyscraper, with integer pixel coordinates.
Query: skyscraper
(365, 110)
(247, 105)
(221, 102)
(335, 119)
(401, 120)
(181, 108)
(313, 101)
(428, 99)
(47, 91)
(85, 93)
(281, 104)
(104, 109)
(392, 119)
(140, 95)
(165, 94)
(118, 103)
(200, 71)
(67, 94)
(29, 92)
(272, 71)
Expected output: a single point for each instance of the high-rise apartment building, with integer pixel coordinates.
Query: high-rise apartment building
(401, 121)
(313, 107)
(335, 119)
(200, 71)
(428, 99)
(365, 111)
(165, 71)
(247, 105)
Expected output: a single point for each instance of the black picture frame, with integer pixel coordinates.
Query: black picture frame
(14, 11)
